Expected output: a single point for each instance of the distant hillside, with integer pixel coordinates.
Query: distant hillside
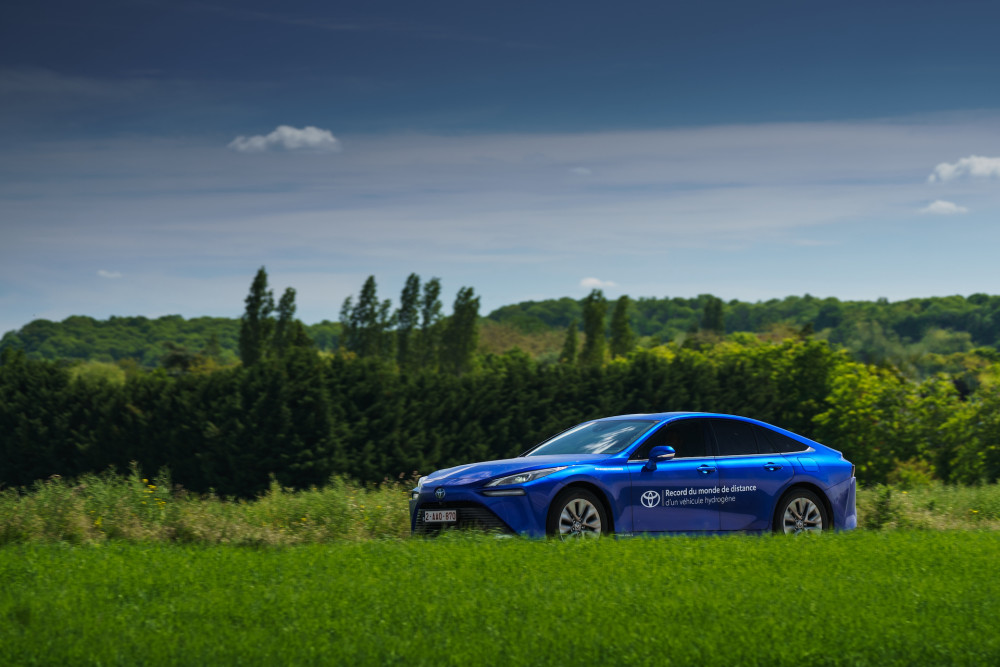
(947, 323)
(147, 341)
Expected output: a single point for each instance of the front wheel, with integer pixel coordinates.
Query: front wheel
(801, 511)
(577, 513)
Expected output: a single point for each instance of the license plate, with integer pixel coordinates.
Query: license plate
(440, 516)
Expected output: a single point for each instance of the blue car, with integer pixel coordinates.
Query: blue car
(671, 472)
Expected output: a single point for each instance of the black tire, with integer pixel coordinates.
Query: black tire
(801, 511)
(577, 512)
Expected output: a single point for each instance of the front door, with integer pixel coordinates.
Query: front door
(680, 495)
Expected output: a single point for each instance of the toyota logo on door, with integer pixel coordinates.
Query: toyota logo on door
(650, 499)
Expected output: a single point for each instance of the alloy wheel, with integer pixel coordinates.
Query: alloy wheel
(802, 515)
(579, 518)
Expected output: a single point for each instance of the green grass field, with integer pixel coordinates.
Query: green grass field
(878, 598)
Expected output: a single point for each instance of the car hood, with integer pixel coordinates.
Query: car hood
(477, 472)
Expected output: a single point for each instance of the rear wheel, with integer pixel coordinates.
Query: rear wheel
(577, 513)
(801, 511)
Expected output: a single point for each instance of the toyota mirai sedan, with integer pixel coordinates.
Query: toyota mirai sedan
(670, 472)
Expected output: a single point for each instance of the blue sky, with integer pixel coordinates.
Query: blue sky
(154, 154)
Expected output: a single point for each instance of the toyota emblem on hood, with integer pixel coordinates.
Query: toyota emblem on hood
(439, 493)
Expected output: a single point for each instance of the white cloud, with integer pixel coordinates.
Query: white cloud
(974, 165)
(581, 171)
(109, 274)
(942, 207)
(596, 283)
(288, 138)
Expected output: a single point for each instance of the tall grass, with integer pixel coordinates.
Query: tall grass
(930, 507)
(98, 508)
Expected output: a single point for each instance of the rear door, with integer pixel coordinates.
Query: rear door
(751, 476)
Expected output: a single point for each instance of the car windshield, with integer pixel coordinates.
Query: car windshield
(600, 437)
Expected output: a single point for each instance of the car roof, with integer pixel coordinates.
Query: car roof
(667, 416)
(661, 416)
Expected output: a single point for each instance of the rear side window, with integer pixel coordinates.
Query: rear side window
(735, 438)
(776, 443)
(764, 443)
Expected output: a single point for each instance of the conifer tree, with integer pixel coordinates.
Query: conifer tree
(595, 307)
(364, 320)
(256, 325)
(348, 336)
(712, 319)
(284, 328)
(385, 347)
(461, 333)
(568, 353)
(366, 324)
(622, 338)
(406, 321)
(430, 324)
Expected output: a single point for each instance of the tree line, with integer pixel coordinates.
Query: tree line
(407, 389)
(303, 417)
(912, 335)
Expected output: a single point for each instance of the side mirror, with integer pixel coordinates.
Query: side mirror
(659, 455)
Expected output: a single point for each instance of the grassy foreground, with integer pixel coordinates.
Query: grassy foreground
(875, 598)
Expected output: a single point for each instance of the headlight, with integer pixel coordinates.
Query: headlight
(415, 493)
(522, 477)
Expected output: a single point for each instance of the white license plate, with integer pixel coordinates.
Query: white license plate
(440, 516)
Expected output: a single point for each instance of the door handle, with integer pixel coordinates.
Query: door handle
(771, 466)
(706, 469)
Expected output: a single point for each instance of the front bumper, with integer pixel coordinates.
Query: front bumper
(471, 516)
(523, 514)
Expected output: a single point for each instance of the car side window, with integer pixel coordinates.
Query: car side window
(777, 442)
(734, 437)
(764, 443)
(686, 436)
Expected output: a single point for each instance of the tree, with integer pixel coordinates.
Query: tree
(212, 350)
(348, 336)
(430, 324)
(461, 333)
(285, 327)
(568, 353)
(406, 321)
(367, 323)
(712, 319)
(622, 338)
(178, 359)
(595, 307)
(364, 320)
(385, 342)
(256, 325)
